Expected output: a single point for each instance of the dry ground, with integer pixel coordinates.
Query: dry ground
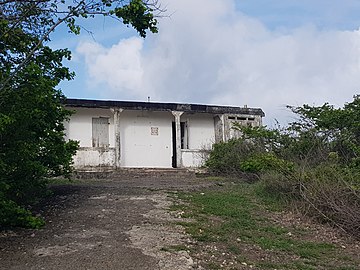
(126, 224)
(103, 224)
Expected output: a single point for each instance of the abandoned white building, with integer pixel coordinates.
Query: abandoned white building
(114, 134)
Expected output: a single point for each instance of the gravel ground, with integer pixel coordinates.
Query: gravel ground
(104, 224)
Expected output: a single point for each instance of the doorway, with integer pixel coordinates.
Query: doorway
(183, 138)
(173, 133)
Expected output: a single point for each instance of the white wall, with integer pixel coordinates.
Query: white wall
(193, 158)
(80, 126)
(94, 157)
(140, 148)
(201, 131)
(145, 138)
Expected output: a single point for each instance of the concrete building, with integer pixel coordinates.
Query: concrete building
(116, 134)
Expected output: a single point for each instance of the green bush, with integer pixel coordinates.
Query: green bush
(253, 152)
(12, 215)
(225, 158)
(314, 162)
(264, 162)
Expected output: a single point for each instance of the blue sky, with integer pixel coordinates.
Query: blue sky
(260, 53)
(325, 14)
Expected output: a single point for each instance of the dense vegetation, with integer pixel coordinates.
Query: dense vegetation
(32, 143)
(314, 162)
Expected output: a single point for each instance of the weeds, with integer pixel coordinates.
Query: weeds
(312, 164)
(235, 221)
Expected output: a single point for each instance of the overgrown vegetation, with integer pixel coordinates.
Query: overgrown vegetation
(314, 162)
(32, 143)
(237, 226)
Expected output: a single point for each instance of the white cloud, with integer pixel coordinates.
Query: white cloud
(119, 66)
(208, 52)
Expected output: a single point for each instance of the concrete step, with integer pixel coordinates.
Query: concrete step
(106, 173)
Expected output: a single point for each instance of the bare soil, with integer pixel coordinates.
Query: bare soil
(125, 223)
(104, 224)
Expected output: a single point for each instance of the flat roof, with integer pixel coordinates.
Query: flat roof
(159, 106)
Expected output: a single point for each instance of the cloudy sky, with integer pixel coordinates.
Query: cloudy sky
(260, 53)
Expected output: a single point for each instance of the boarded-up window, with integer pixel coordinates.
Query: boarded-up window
(100, 132)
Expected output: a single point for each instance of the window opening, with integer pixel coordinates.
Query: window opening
(100, 132)
(184, 135)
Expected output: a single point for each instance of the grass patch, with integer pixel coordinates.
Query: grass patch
(235, 220)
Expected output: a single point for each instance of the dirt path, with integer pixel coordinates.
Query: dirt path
(118, 224)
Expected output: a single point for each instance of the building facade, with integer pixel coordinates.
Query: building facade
(116, 134)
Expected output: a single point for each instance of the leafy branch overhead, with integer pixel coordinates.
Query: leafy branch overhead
(39, 18)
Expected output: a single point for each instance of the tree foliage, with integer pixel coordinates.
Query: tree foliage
(32, 143)
(313, 161)
(39, 18)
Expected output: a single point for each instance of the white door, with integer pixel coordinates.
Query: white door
(146, 139)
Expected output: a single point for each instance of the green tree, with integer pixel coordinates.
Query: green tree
(39, 18)
(314, 162)
(32, 144)
(336, 129)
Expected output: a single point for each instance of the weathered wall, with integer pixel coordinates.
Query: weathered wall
(80, 126)
(94, 157)
(244, 120)
(146, 138)
(201, 131)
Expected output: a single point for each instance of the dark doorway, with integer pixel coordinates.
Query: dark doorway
(173, 145)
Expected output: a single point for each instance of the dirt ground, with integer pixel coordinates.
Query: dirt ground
(104, 224)
(125, 223)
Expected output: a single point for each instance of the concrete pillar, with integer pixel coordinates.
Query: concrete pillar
(219, 128)
(177, 115)
(226, 127)
(258, 120)
(117, 112)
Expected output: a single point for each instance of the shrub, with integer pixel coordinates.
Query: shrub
(12, 215)
(314, 162)
(264, 162)
(226, 158)
(333, 195)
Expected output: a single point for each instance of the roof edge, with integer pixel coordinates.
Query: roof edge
(161, 106)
